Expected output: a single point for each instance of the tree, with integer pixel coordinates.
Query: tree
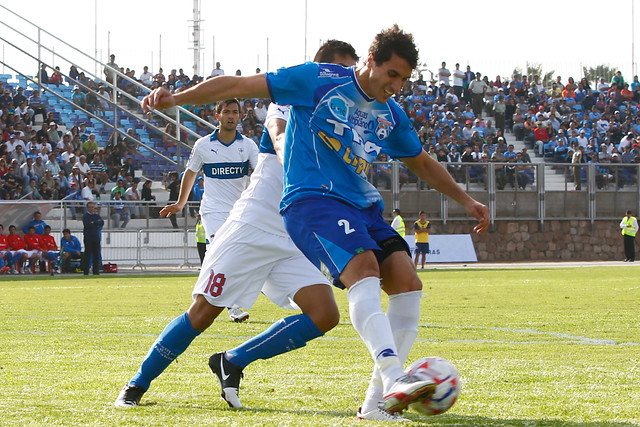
(593, 74)
(536, 70)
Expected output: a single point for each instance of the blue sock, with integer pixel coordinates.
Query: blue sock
(285, 335)
(171, 343)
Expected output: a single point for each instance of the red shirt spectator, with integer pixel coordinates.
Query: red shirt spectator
(541, 134)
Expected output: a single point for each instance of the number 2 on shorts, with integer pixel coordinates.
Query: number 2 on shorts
(347, 227)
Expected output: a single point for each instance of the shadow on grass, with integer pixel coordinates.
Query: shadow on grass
(417, 419)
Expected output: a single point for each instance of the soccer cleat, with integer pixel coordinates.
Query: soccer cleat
(406, 390)
(237, 314)
(229, 376)
(379, 414)
(129, 396)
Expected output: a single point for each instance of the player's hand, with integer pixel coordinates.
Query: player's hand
(479, 212)
(170, 210)
(160, 98)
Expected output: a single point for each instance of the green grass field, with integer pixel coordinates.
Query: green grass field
(535, 347)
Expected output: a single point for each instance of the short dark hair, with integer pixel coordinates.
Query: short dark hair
(47, 226)
(226, 102)
(422, 212)
(31, 227)
(331, 48)
(394, 40)
(396, 211)
(629, 212)
(66, 230)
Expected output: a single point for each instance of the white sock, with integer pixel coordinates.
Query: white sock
(403, 314)
(373, 326)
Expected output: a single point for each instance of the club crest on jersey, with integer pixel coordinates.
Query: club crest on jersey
(339, 107)
(383, 129)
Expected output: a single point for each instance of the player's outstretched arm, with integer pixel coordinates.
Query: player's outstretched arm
(214, 89)
(188, 179)
(434, 174)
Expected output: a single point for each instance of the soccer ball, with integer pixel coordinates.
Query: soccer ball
(446, 377)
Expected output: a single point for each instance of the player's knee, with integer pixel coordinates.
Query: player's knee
(325, 318)
(202, 314)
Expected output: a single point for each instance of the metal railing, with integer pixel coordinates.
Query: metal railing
(78, 56)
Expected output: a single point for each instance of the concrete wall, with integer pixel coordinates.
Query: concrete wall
(573, 240)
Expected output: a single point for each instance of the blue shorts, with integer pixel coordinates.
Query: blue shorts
(422, 248)
(331, 232)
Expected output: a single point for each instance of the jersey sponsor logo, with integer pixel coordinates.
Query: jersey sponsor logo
(339, 107)
(360, 165)
(359, 119)
(214, 150)
(327, 72)
(226, 170)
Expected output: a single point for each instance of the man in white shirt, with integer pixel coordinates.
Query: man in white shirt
(458, 81)
(83, 166)
(146, 77)
(217, 71)
(626, 141)
(444, 74)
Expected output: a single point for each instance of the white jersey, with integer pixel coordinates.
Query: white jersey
(259, 204)
(254, 231)
(225, 168)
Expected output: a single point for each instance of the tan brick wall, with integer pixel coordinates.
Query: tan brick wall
(568, 240)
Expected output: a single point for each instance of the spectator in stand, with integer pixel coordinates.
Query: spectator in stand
(79, 98)
(111, 69)
(541, 136)
(37, 104)
(56, 77)
(93, 224)
(99, 170)
(42, 75)
(217, 71)
(71, 250)
(132, 194)
(73, 75)
(617, 81)
(119, 211)
(147, 196)
(31, 192)
(119, 188)
(261, 111)
(458, 81)
(477, 87)
(146, 77)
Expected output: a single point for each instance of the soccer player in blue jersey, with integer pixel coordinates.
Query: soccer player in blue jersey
(340, 120)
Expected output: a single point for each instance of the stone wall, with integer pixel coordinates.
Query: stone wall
(567, 240)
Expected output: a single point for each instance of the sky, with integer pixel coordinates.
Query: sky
(493, 37)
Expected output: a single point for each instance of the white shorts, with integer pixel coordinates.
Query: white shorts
(212, 222)
(24, 251)
(243, 260)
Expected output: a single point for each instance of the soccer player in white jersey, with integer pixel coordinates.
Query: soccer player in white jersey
(254, 230)
(341, 119)
(224, 157)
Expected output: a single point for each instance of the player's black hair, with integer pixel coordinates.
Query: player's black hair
(394, 40)
(226, 102)
(30, 227)
(66, 230)
(422, 212)
(12, 226)
(1, 226)
(333, 47)
(47, 226)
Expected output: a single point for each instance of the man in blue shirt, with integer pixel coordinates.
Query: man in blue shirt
(71, 249)
(37, 222)
(340, 120)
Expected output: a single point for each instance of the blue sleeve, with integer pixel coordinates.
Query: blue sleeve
(293, 85)
(403, 141)
(76, 244)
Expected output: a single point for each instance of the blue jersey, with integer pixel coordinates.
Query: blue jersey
(335, 131)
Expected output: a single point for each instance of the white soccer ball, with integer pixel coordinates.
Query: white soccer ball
(446, 377)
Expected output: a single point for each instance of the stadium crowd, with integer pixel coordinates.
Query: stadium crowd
(460, 116)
